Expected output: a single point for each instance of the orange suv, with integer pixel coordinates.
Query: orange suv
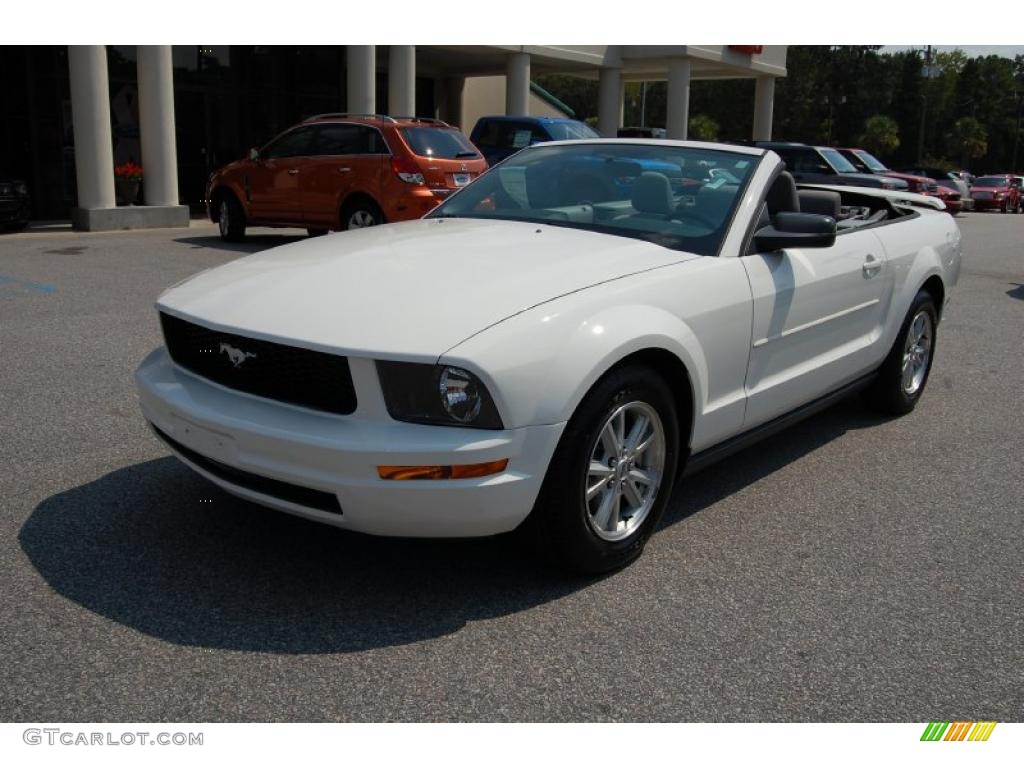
(343, 171)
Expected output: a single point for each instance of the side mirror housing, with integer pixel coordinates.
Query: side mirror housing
(796, 230)
(254, 154)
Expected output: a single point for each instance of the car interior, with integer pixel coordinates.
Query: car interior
(849, 209)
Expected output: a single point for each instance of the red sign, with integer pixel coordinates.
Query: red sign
(751, 49)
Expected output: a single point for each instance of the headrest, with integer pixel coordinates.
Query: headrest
(782, 195)
(821, 201)
(652, 193)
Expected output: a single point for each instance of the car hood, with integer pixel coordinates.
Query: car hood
(408, 291)
(863, 179)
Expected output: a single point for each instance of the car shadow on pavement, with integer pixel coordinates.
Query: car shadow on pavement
(1017, 292)
(161, 550)
(251, 243)
(157, 548)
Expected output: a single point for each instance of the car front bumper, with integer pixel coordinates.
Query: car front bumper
(988, 204)
(14, 210)
(231, 438)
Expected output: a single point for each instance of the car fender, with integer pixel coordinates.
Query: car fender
(566, 351)
(929, 246)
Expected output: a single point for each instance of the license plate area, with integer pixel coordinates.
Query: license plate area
(207, 442)
(461, 179)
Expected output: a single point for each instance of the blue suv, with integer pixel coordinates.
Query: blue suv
(498, 136)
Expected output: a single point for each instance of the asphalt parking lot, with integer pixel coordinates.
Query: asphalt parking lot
(849, 568)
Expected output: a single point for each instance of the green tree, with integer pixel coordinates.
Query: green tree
(968, 139)
(703, 128)
(881, 135)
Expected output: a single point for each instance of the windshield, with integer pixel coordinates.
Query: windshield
(991, 181)
(571, 130)
(839, 163)
(678, 197)
(870, 161)
(444, 143)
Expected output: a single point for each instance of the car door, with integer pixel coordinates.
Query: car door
(349, 157)
(273, 181)
(818, 318)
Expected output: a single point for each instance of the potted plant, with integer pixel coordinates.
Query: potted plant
(127, 180)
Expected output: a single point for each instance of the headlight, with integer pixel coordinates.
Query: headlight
(436, 394)
(21, 189)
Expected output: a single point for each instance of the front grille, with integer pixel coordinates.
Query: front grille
(278, 489)
(294, 375)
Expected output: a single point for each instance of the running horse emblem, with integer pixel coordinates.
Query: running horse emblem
(235, 355)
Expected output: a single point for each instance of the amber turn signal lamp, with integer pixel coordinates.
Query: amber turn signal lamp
(442, 472)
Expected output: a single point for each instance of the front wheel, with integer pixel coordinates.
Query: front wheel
(904, 374)
(612, 474)
(230, 219)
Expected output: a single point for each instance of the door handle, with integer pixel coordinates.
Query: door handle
(292, 171)
(344, 170)
(871, 265)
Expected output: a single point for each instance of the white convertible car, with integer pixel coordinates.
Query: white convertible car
(553, 346)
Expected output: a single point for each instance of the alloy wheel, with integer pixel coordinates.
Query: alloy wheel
(223, 220)
(622, 479)
(917, 352)
(360, 219)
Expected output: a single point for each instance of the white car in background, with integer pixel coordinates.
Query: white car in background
(553, 346)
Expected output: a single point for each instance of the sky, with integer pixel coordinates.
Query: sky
(1009, 51)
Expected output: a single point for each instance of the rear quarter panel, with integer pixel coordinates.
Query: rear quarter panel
(916, 248)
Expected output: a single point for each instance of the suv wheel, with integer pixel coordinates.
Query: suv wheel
(230, 219)
(360, 214)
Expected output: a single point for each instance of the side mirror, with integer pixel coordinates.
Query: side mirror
(796, 230)
(254, 154)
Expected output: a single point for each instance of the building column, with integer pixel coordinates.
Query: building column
(361, 72)
(449, 102)
(156, 124)
(517, 84)
(764, 106)
(402, 80)
(609, 103)
(678, 106)
(90, 115)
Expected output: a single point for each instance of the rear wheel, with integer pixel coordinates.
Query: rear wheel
(360, 214)
(904, 374)
(230, 219)
(612, 474)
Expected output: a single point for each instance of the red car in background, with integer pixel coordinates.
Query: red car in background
(998, 192)
(865, 162)
(343, 171)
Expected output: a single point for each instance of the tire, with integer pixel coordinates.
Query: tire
(315, 231)
(230, 219)
(579, 535)
(361, 213)
(897, 390)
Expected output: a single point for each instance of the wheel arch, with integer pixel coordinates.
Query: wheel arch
(674, 372)
(356, 196)
(934, 285)
(218, 193)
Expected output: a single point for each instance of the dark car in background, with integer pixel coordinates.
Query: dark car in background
(498, 136)
(825, 165)
(997, 192)
(15, 204)
(921, 184)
